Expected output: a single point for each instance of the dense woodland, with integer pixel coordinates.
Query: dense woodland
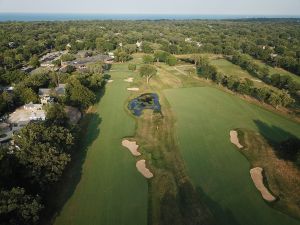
(47, 147)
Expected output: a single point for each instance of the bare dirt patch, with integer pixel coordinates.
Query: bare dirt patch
(132, 147)
(141, 167)
(234, 139)
(257, 177)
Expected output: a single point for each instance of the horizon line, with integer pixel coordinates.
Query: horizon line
(134, 13)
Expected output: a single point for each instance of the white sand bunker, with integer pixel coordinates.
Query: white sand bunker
(234, 139)
(132, 147)
(141, 167)
(110, 81)
(257, 177)
(256, 80)
(133, 89)
(129, 80)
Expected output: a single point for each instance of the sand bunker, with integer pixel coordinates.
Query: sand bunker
(234, 139)
(110, 81)
(141, 167)
(256, 80)
(132, 147)
(129, 79)
(133, 89)
(257, 177)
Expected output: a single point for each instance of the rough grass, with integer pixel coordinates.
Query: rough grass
(228, 68)
(282, 177)
(172, 197)
(205, 117)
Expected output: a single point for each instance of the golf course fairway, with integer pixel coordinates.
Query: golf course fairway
(110, 191)
(220, 172)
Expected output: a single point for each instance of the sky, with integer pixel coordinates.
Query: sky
(231, 7)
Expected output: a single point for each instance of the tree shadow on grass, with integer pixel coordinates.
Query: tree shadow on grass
(275, 136)
(193, 207)
(221, 215)
(60, 192)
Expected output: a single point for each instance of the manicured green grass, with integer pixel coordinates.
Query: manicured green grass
(110, 190)
(205, 117)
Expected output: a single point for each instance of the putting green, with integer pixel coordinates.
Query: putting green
(205, 117)
(110, 191)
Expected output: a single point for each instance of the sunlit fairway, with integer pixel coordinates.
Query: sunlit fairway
(204, 118)
(110, 191)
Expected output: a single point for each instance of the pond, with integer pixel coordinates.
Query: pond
(144, 101)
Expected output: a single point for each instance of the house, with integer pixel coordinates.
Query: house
(31, 106)
(44, 91)
(139, 44)
(199, 44)
(111, 55)
(8, 89)
(11, 44)
(273, 55)
(52, 56)
(20, 118)
(188, 40)
(45, 96)
(47, 64)
(82, 67)
(81, 63)
(60, 90)
(27, 69)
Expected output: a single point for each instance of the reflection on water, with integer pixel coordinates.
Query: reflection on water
(144, 101)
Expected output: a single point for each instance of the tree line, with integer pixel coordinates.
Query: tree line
(246, 86)
(42, 149)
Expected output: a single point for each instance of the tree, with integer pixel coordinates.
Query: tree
(44, 151)
(56, 115)
(171, 60)
(34, 61)
(17, 207)
(78, 95)
(148, 59)
(131, 67)
(198, 59)
(26, 95)
(218, 78)
(161, 56)
(274, 99)
(67, 57)
(148, 71)
(96, 68)
(122, 56)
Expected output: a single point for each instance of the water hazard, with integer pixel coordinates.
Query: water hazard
(144, 101)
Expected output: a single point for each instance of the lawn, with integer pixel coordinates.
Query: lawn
(110, 190)
(204, 117)
(228, 68)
